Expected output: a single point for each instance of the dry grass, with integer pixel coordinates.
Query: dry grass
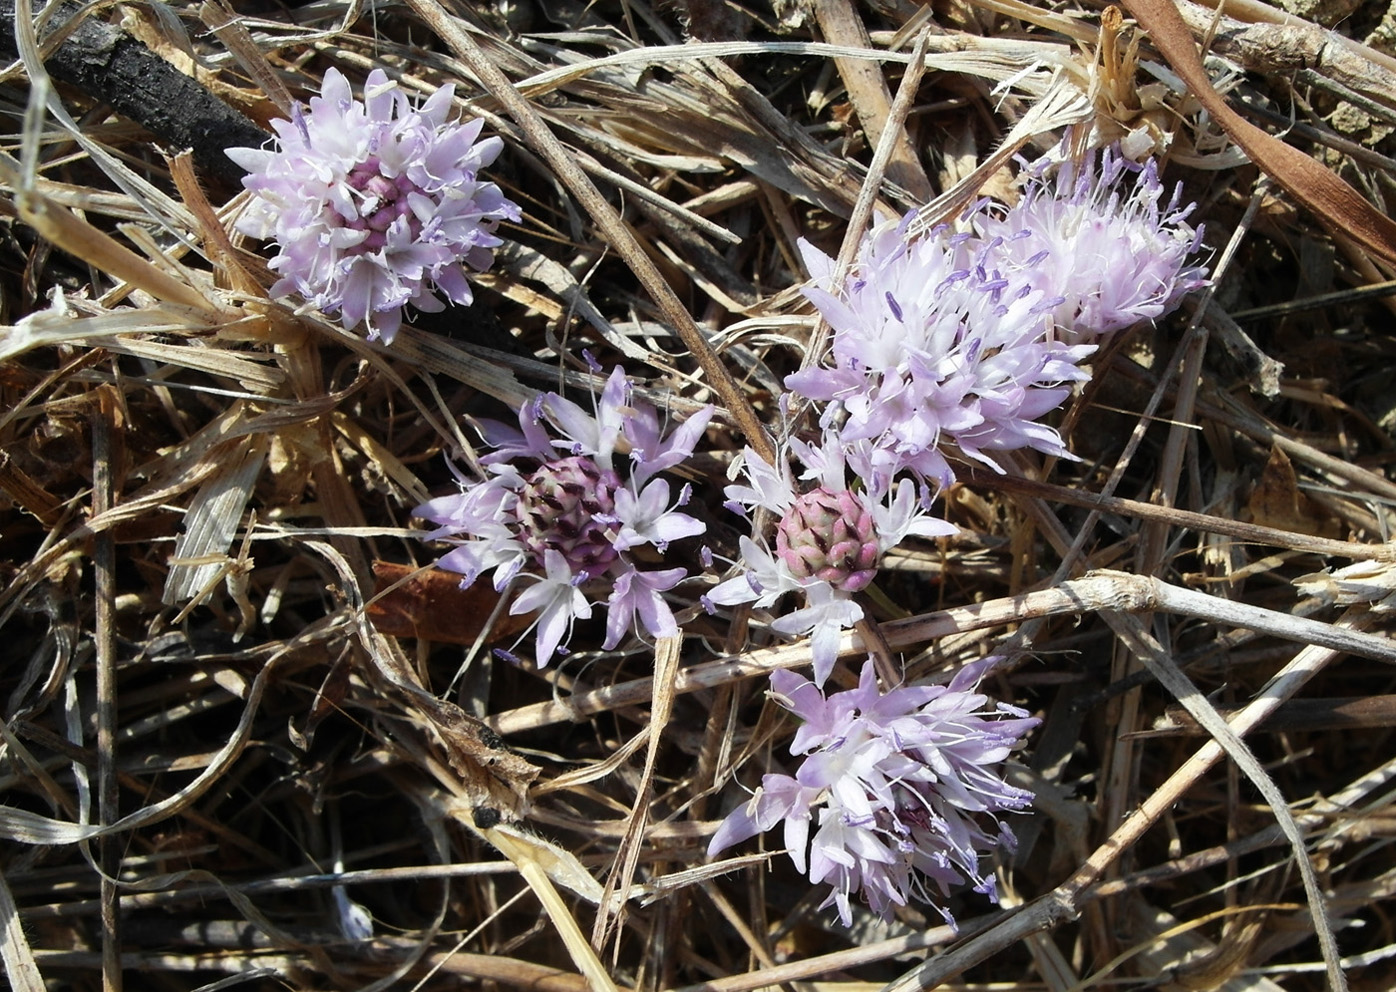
(236, 719)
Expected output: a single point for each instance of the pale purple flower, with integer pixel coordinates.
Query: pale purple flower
(1102, 237)
(968, 339)
(557, 600)
(563, 514)
(636, 594)
(828, 542)
(934, 345)
(906, 784)
(375, 205)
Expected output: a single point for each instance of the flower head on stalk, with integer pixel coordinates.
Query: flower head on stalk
(374, 204)
(905, 783)
(967, 339)
(1101, 236)
(935, 344)
(565, 514)
(828, 543)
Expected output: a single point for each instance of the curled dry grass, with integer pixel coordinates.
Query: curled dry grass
(238, 718)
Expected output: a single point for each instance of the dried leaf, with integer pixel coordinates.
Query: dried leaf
(1277, 501)
(430, 604)
(201, 553)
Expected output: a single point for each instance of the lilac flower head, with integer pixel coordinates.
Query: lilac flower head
(564, 515)
(1103, 238)
(374, 204)
(905, 783)
(934, 343)
(968, 339)
(827, 544)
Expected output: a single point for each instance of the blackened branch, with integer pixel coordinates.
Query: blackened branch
(111, 67)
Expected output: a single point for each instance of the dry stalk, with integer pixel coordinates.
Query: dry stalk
(1335, 203)
(1112, 591)
(107, 463)
(888, 144)
(868, 91)
(618, 235)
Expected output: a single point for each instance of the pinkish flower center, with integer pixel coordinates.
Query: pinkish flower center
(829, 535)
(558, 509)
(382, 201)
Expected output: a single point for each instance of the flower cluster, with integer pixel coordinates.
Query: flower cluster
(948, 341)
(933, 345)
(906, 784)
(968, 338)
(565, 516)
(374, 205)
(827, 545)
(1103, 238)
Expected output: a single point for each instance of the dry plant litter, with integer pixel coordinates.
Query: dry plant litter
(252, 739)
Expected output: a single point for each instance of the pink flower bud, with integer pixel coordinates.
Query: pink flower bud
(558, 508)
(829, 535)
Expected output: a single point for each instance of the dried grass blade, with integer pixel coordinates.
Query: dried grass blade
(379, 455)
(496, 969)
(612, 226)
(551, 79)
(1064, 103)
(227, 28)
(1205, 523)
(106, 457)
(437, 354)
(838, 961)
(863, 208)
(211, 522)
(1065, 901)
(1172, 949)
(255, 376)
(872, 100)
(20, 967)
(558, 863)
(214, 235)
(536, 267)
(31, 828)
(523, 855)
(590, 773)
(1340, 207)
(764, 142)
(82, 240)
(993, 58)
(60, 324)
(175, 474)
(1171, 677)
(617, 891)
(1075, 28)
(154, 202)
(26, 492)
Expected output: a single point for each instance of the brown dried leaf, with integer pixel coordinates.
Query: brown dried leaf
(431, 605)
(1277, 501)
(494, 776)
